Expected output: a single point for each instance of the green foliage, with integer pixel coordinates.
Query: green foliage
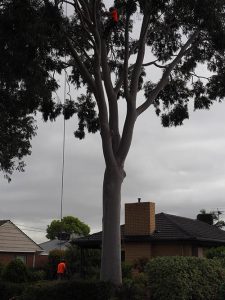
(69, 224)
(126, 270)
(217, 252)
(25, 81)
(67, 290)
(54, 258)
(134, 289)
(184, 278)
(16, 271)
(89, 268)
(140, 264)
(221, 294)
(36, 275)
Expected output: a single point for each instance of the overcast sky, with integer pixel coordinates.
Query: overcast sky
(181, 169)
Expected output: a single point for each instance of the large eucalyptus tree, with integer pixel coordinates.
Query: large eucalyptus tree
(112, 63)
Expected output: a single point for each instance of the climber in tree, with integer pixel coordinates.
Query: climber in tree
(113, 19)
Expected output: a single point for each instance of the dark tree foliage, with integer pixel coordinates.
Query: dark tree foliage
(33, 48)
(216, 216)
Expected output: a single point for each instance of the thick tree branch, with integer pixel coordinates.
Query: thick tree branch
(150, 63)
(85, 16)
(103, 113)
(127, 134)
(198, 76)
(126, 57)
(112, 99)
(121, 78)
(164, 80)
(64, 1)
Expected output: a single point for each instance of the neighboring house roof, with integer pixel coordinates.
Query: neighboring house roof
(53, 245)
(168, 228)
(12, 239)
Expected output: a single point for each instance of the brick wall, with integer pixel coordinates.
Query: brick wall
(171, 249)
(139, 218)
(134, 251)
(5, 258)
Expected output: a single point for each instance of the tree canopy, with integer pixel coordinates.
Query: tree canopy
(180, 35)
(107, 63)
(68, 224)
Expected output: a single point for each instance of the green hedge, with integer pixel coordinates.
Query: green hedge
(16, 271)
(184, 278)
(68, 290)
(217, 252)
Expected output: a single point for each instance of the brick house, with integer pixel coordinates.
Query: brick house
(14, 243)
(146, 234)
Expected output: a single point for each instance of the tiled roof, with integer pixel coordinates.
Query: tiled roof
(54, 244)
(169, 228)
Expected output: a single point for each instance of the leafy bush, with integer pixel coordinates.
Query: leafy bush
(134, 289)
(91, 264)
(36, 275)
(140, 264)
(177, 278)
(217, 252)
(15, 271)
(53, 259)
(69, 290)
(126, 270)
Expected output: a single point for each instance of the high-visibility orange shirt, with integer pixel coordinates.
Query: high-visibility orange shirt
(114, 15)
(61, 268)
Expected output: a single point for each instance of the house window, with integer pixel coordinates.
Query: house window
(23, 258)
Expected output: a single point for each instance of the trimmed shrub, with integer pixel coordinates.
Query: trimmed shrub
(217, 252)
(53, 259)
(127, 270)
(36, 275)
(134, 289)
(140, 264)
(184, 278)
(91, 264)
(69, 290)
(15, 271)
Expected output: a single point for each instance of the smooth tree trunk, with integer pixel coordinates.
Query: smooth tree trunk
(111, 239)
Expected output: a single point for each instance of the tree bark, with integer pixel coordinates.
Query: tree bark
(111, 238)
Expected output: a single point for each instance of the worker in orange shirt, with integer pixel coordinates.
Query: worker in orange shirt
(61, 269)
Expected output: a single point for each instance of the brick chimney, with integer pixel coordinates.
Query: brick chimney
(139, 218)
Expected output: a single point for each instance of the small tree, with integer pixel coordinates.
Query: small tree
(15, 271)
(68, 224)
(216, 216)
(108, 61)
